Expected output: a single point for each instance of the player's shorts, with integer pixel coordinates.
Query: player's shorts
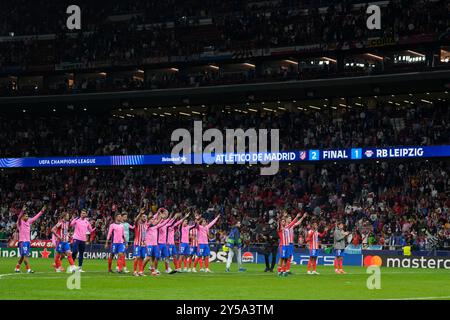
(313, 252)
(338, 252)
(24, 248)
(63, 247)
(172, 250)
(286, 252)
(163, 250)
(139, 251)
(117, 248)
(153, 251)
(184, 249)
(193, 250)
(203, 250)
(291, 247)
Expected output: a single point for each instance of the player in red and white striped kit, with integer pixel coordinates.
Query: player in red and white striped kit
(287, 242)
(193, 251)
(313, 240)
(194, 246)
(61, 233)
(139, 247)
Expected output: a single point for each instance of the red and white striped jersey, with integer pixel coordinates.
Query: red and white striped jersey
(62, 230)
(287, 236)
(140, 230)
(287, 233)
(193, 237)
(313, 239)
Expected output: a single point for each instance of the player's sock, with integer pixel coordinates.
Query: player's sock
(200, 261)
(110, 259)
(69, 257)
(57, 261)
(207, 262)
(314, 265)
(18, 266)
(136, 265)
(141, 265)
(124, 262)
(336, 264)
(196, 262)
(119, 264)
(166, 264)
(340, 264)
(189, 262)
(288, 265)
(309, 264)
(27, 266)
(184, 262)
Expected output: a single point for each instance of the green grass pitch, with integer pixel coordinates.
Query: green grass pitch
(253, 284)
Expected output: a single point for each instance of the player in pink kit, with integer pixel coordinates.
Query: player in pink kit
(171, 241)
(203, 244)
(151, 241)
(162, 240)
(24, 223)
(81, 227)
(117, 232)
(184, 244)
(313, 240)
(61, 233)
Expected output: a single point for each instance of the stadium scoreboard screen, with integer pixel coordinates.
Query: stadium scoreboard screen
(353, 154)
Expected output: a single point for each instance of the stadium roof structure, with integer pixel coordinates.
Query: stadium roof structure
(415, 82)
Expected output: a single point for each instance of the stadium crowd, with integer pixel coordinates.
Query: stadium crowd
(77, 134)
(386, 203)
(227, 26)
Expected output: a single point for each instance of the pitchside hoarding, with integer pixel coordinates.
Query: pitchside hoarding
(410, 262)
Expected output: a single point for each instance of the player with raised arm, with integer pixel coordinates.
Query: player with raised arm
(184, 245)
(339, 246)
(151, 241)
(116, 231)
(194, 250)
(203, 243)
(291, 226)
(24, 223)
(280, 226)
(162, 239)
(139, 247)
(171, 241)
(81, 227)
(287, 240)
(61, 233)
(193, 245)
(313, 240)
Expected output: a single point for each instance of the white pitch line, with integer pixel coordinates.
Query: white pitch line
(420, 298)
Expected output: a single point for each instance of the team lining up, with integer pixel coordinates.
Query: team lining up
(154, 241)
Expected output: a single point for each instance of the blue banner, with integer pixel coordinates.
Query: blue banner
(265, 157)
